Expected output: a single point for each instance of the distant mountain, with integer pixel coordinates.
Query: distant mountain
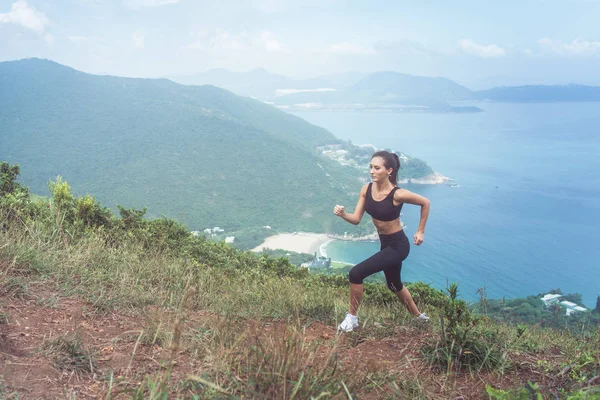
(340, 80)
(387, 90)
(541, 93)
(199, 154)
(394, 86)
(258, 83)
(261, 84)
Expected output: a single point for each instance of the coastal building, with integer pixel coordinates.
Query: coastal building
(550, 298)
(318, 262)
(572, 307)
(214, 230)
(569, 306)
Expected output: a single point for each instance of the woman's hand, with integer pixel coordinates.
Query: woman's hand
(338, 210)
(418, 238)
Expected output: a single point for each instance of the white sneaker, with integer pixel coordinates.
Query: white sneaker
(423, 317)
(349, 323)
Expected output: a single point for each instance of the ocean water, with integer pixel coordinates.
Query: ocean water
(525, 218)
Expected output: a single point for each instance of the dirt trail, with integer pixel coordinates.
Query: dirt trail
(31, 366)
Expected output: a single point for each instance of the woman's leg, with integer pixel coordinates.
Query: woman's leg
(407, 301)
(356, 292)
(392, 276)
(376, 263)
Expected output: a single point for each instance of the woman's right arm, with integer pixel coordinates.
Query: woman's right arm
(359, 210)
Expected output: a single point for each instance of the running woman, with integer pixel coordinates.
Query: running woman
(382, 199)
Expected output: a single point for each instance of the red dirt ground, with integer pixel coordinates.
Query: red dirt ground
(27, 365)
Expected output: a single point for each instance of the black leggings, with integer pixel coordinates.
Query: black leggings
(394, 250)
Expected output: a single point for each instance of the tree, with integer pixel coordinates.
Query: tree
(8, 179)
(598, 305)
(574, 298)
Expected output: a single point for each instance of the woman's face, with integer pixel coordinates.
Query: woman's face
(378, 171)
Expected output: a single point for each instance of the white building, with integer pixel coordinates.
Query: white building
(214, 230)
(572, 307)
(551, 298)
(229, 239)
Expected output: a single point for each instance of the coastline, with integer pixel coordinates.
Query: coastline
(308, 242)
(322, 252)
(299, 242)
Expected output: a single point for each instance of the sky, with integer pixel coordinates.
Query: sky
(478, 43)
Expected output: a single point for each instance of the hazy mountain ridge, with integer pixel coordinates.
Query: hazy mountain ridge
(390, 91)
(261, 84)
(386, 90)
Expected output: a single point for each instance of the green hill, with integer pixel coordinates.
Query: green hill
(199, 154)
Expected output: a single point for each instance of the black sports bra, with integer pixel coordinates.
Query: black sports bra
(383, 210)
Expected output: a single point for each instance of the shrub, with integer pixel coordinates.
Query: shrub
(464, 342)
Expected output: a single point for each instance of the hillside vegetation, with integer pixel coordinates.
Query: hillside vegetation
(200, 319)
(198, 154)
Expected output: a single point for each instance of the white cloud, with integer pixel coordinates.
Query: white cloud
(220, 40)
(485, 51)
(403, 47)
(137, 4)
(138, 39)
(350, 48)
(27, 16)
(223, 40)
(577, 47)
(48, 38)
(278, 6)
(268, 6)
(77, 39)
(269, 42)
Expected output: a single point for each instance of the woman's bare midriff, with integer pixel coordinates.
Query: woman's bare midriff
(387, 227)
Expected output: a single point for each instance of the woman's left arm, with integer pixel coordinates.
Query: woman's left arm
(406, 196)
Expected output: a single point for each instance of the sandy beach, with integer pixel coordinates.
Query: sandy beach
(300, 242)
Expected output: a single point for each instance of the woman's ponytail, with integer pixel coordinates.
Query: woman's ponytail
(394, 174)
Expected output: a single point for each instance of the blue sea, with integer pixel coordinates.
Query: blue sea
(525, 218)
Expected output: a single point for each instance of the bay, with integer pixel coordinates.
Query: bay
(524, 218)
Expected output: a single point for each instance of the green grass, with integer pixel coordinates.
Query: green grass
(129, 263)
(129, 278)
